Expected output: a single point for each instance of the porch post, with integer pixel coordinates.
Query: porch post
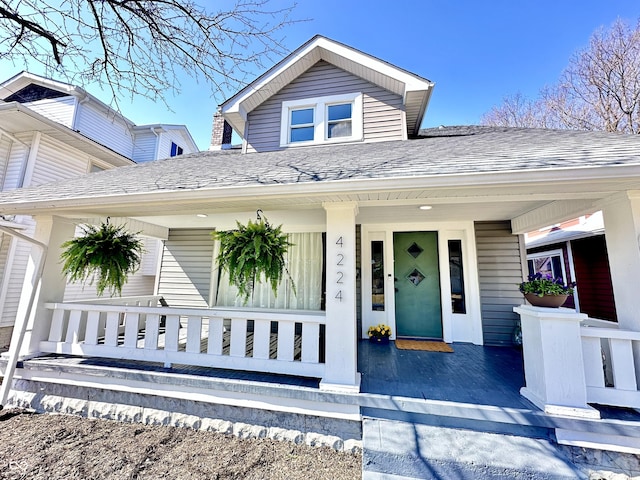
(341, 356)
(553, 363)
(50, 231)
(621, 215)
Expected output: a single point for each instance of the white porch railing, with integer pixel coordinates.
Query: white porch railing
(140, 301)
(611, 359)
(283, 342)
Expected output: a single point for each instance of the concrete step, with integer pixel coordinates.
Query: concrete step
(397, 450)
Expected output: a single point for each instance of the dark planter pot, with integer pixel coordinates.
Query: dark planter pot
(379, 340)
(549, 301)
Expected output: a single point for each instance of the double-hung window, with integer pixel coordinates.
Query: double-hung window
(336, 118)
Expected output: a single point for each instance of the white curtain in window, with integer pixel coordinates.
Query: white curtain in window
(304, 262)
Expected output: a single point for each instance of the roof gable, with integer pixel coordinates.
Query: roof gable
(33, 93)
(414, 90)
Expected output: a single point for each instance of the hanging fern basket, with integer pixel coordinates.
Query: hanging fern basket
(106, 254)
(252, 252)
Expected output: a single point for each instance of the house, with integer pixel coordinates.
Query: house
(422, 230)
(576, 251)
(51, 131)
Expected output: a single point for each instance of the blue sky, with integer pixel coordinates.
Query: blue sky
(475, 52)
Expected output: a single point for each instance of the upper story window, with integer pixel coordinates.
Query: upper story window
(310, 121)
(176, 150)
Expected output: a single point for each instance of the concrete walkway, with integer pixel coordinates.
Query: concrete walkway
(396, 450)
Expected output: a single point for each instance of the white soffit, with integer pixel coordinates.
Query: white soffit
(414, 90)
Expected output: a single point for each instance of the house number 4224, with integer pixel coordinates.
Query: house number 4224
(339, 272)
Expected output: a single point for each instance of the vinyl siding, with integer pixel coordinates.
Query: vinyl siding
(500, 260)
(57, 161)
(57, 109)
(382, 110)
(16, 160)
(16, 279)
(144, 149)
(104, 128)
(185, 276)
(166, 137)
(5, 153)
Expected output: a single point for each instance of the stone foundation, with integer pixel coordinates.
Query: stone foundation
(341, 435)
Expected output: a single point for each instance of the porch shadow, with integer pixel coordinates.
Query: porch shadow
(472, 374)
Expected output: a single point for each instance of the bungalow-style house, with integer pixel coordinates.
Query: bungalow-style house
(576, 251)
(421, 230)
(50, 131)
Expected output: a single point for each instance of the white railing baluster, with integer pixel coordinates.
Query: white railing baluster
(261, 338)
(93, 326)
(238, 337)
(172, 333)
(73, 326)
(111, 329)
(152, 331)
(131, 329)
(194, 334)
(310, 342)
(624, 374)
(57, 326)
(286, 336)
(592, 353)
(216, 333)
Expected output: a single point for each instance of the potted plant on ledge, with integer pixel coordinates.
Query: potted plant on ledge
(545, 291)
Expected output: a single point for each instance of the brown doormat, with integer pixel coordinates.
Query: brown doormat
(423, 345)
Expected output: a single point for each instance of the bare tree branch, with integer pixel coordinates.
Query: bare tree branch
(142, 47)
(599, 89)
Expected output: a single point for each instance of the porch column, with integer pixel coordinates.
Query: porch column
(553, 362)
(51, 231)
(621, 215)
(341, 358)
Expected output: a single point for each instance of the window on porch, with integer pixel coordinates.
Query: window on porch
(304, 263)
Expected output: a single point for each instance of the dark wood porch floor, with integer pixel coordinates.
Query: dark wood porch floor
(472, 374)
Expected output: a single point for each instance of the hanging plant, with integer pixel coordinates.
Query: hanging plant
(251, 252)
(106, 253)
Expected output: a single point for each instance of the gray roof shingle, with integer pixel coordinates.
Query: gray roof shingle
(438, 151)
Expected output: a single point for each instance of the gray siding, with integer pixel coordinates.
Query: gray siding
(185, 276)
(500, 272)
(382, 110)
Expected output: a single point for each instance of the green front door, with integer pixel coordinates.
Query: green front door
(417, 280)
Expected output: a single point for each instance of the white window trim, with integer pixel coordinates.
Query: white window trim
(551, 253)
(320, 104)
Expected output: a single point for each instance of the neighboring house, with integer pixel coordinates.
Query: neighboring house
(422, 230)
(51, 131)
(576, 251)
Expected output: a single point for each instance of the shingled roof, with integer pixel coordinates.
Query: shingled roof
(438, 152)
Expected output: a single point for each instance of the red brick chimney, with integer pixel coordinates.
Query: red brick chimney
(221, 133)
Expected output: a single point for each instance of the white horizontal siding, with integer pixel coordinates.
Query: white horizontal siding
(137, 286)
(500, 272)
(185, 275)
(144, 149)
(5, 152)
(16, 278)
(57, 109)
(173, 135)
(382, 110)
(16, 162)
(57, 161)
(105, 128)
